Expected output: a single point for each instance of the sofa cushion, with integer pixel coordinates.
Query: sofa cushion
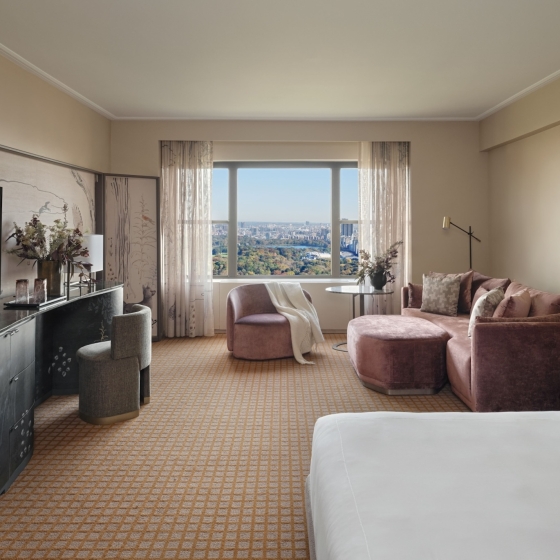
(488, 282)
(542, 303)
(454, 326)
(485, 306)
(465, 290)
(555, 318)
(415, 295)
(262, 336)
(440, 293)
(263, 320)
(515, 305)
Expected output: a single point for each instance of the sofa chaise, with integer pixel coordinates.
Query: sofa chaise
(508, 364)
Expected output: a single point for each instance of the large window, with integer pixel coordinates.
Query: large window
(285, 219)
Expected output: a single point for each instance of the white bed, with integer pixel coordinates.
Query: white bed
(438, 486)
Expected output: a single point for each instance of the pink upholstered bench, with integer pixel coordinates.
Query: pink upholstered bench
(398, 355)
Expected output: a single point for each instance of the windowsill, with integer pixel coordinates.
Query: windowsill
(305, 280)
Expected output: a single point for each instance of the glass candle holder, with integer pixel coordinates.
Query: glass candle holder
(40, 290)
(22, 291)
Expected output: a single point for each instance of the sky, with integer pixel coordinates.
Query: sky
(285, 195)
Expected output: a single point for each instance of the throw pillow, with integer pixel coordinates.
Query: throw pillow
(465, 291)
(516, 305)
(479, 293)
(542, 303)
(485, 306)
(415, 295)
(488, 282)
(440, 294)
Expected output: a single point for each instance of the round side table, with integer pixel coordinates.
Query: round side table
(361, 291)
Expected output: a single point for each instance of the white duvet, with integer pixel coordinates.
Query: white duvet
(440, 486)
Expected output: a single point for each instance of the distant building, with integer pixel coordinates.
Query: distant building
(347, 230)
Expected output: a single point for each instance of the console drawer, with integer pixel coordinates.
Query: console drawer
(22, 391)
(22, 342)
(21, 440)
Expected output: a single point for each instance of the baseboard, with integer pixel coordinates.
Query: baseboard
(324, 331)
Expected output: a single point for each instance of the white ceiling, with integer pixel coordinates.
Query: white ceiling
(287, 59)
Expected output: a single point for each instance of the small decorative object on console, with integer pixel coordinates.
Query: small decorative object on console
(22, 291)
(40, 290)
(379, 268)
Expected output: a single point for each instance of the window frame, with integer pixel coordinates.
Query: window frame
(232, 222)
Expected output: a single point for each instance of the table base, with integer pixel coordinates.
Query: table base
(336, 346)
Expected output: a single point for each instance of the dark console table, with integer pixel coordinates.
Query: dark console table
(38, 359)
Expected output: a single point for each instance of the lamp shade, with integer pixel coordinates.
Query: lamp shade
(94, 244)
(446, 222)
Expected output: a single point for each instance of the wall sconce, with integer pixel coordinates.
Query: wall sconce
(446, 225)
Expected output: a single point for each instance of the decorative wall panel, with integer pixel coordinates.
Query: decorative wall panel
(131, 240)
(34, 186)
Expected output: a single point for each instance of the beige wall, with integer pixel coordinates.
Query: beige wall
(523, 143)
(334, 310)
(449, 175)
(39, 119)
(524, 205)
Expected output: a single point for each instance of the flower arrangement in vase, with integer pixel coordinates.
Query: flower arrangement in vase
(51, 247)
(378, 269)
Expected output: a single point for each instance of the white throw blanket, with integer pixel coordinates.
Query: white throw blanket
(290, 301)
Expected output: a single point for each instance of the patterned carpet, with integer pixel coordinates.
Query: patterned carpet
(214, 467)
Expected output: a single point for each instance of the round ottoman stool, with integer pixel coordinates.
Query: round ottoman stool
(398, 355)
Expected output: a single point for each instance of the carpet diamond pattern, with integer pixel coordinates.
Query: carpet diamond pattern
(214, 467)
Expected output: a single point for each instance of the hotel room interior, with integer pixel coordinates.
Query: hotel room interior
(205, 146)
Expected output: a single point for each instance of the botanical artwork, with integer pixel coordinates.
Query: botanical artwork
(131, 249)
(32, 186)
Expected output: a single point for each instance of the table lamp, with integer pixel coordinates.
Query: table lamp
(94, 244)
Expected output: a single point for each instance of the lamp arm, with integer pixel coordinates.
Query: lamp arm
(469, 233)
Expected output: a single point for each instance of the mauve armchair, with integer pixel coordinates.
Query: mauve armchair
(255, 330)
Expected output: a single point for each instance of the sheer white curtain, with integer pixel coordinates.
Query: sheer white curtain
(186, 174)
(384, 205)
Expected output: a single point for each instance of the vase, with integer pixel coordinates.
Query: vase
(52, 272)
(378, 280)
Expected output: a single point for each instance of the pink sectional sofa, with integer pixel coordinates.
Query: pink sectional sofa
(507, 364)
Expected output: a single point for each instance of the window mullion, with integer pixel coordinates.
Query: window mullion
(232, 226)
(335, 221)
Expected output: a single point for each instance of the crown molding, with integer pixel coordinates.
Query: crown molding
(26, 65)
(523, 93)
(291, 119)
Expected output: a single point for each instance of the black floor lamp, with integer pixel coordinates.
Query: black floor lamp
(447, 222)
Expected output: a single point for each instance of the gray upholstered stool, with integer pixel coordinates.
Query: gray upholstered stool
(114, 375)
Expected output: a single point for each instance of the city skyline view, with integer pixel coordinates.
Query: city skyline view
(284, 221)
